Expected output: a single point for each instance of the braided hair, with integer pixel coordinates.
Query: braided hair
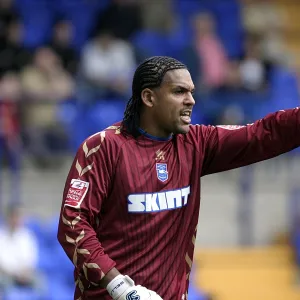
(149, 74)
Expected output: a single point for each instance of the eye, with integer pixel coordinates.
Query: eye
(179, 92)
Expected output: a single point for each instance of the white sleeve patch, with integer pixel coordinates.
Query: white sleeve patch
(76, 193)
(230, 127)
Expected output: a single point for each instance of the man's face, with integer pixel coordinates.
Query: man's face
(173, 103)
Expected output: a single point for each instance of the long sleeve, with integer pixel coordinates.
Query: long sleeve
(229, 147)
(86, 189)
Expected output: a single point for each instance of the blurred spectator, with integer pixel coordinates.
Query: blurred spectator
(61, 43)
(121, 17)
(18, 254)
(13, 56)
(45, 83)
(210, 64)
(45, 78)
(10, 141)
(254, 69)
(7, 13)
(157, 15)
(106, 68)
(213, 73)
(262, 17)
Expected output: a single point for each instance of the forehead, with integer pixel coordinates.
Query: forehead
(179, 77)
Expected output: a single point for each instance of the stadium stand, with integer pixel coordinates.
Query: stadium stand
(251, 273)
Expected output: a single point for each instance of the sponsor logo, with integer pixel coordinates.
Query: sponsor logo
(155, 202)
(76, 193)
(133, 296)
(162, 172)
(117, 287)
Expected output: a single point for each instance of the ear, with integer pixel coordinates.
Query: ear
(148, 98)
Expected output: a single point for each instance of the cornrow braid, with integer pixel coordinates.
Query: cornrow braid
(149, 74)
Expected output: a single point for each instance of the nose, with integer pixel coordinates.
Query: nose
(189, 100)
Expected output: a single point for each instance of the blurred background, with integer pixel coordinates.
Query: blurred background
(65, 72)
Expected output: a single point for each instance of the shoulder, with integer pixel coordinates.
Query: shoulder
(109, 140)
(110, 135)
(198, 136)
(197, 133)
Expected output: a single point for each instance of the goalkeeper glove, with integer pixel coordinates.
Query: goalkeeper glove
(123, 288)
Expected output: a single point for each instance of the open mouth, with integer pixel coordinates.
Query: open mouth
(185, 116)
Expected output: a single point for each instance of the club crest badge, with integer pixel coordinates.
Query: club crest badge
(162, 172)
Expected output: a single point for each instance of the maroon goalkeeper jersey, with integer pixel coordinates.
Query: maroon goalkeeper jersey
(133, 203)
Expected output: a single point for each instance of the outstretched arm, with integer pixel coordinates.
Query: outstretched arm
(229, 147)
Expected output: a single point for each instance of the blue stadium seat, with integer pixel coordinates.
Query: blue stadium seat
(95, 3)
(59, 291)
(228, 18)
(105, 113)
(38, 19)
(229, 25)
(53, 260)
(47, 263)
(82, 14)
(186, 8)
(197, 115)
(18, 293)
(80, 121)
(66, 112)
(37, 228)
(284, 95)
(51, 228)
(72, 119)
(196, 294)
(297, 246)
(54, 263)
(179, 39)
(150, 43)
(284, 92)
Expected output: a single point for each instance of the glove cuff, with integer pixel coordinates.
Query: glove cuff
(119, 285)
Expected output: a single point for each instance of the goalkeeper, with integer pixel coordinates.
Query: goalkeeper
(131, 200)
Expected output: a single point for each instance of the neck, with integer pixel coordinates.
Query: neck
(148, 128)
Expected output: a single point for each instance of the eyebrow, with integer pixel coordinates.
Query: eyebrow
(184, 87)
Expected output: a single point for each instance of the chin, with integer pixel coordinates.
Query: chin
(183, 129)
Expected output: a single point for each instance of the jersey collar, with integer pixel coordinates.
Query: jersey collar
(155, 138)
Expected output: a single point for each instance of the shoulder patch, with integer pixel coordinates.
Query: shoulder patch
(76, 193)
